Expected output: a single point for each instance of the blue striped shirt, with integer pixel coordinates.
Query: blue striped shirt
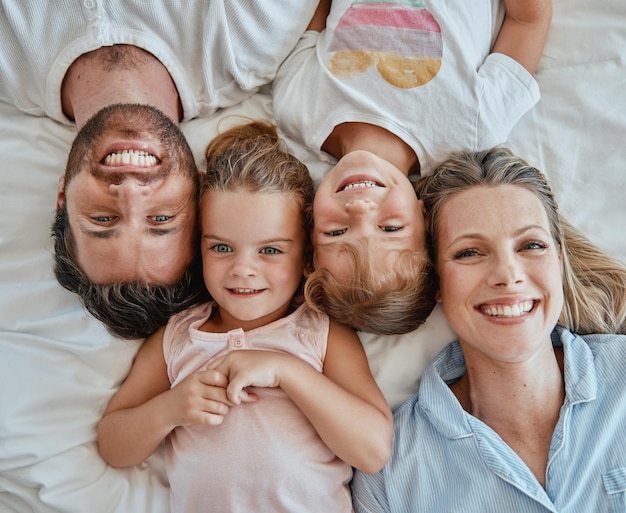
(445, 460)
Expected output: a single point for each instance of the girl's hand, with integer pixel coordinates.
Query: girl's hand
(199, 399)
(247, 368)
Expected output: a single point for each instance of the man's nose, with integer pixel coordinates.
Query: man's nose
(130, 190)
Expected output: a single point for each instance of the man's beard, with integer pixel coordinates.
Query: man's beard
(133, 122)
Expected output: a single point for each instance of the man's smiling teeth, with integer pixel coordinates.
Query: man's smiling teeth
(244, 291)
(360, 185)
(508, 310)
(131, 157)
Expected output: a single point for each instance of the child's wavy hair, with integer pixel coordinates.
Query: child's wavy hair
(390, 301)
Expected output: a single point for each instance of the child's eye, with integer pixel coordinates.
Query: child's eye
(161, 218)
(336, 233)
(221, 248)
(270, 251)
(390, 228)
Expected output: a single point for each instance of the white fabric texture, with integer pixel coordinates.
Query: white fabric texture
(218, 52)
(59, 367)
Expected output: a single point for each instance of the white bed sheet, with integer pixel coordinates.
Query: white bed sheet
(59, 367)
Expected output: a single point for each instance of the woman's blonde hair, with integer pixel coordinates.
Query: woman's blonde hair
(594, 283)
(252, 157)
(389, 301)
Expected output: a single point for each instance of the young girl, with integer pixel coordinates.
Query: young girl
(263, 403)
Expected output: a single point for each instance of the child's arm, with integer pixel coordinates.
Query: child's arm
(344, 404)
(144, 410)
(318, 22)
(524, 31)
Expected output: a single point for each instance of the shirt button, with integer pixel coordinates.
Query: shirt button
(89, 4)
(238, 342)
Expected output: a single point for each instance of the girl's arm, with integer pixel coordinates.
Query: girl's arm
(524, 31)
(144, 410)
(344, 404)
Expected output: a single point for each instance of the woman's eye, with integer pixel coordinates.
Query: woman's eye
(336, 233)
(221, 248)
(270, 251)
(466, 253)
(390, 228)
(161, 218)
(535, 245)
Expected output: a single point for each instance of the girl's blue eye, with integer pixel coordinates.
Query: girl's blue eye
(221, 248)
(162, 218)
(270, 251)
(390, 228)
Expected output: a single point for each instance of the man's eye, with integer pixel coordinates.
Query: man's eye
(390, 228)
(270, 251)
(336, 233)
(161, 219)
(221, 248)
(102, 219)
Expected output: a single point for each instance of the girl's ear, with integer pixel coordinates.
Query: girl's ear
(438, 296)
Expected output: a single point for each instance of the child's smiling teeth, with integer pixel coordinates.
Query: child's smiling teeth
(245, 291)
(515, 310)
(131, 157)
(364, 184)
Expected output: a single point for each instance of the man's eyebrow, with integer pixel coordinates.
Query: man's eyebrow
(99, 234)
(109, 234)
(166, 231)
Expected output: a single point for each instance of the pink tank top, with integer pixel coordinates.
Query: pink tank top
(265, 456)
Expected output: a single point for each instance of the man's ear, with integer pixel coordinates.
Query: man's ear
(61, 192)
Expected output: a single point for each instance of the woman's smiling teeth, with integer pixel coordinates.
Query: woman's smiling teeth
(515, 310)
(131, 157)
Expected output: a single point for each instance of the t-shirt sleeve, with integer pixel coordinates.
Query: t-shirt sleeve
(262, 33)
(508, 91)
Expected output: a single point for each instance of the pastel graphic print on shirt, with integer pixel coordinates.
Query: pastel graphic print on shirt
(401, 38)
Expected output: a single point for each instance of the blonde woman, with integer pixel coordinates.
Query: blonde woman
(521, 413)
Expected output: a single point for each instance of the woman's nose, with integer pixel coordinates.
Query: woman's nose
(507, 271)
